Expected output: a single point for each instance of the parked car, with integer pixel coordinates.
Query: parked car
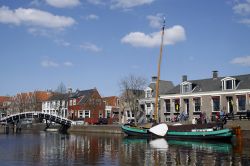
(102, 121)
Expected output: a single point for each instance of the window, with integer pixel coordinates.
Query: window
(80, 114)
(63, 103)
(74, 101)
(197, 104)
(148, 93)
(117, 102)
(86, 114)
(100, 114)
(128, 113)
(216, 103)
(148, 105)
(229, 83)
(108, 113)
(177, 105)
(167, 102)
(241, 103)
(186, 87)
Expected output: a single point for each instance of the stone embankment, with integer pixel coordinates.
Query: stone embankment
(116, 129)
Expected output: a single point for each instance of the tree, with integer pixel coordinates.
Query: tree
(132, 89)
(61, 88)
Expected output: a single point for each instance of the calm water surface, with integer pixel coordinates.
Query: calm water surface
(52, 148)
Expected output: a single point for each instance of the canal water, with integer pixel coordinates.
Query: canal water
(52, 148)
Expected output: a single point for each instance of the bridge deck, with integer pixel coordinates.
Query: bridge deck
(23, 115)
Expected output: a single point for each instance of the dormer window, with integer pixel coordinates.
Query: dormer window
(148, 92)
(186, 87)
(229, 83)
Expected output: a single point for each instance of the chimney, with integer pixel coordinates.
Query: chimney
(184, 78)
(215, 74)
(154, 79)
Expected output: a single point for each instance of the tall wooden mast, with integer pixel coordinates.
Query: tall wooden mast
(158, 75)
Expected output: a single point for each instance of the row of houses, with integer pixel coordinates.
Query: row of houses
(81, 105)
(230, 94)
(191, 98)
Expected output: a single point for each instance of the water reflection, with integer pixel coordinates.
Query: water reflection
(99, 149)
(181, 152)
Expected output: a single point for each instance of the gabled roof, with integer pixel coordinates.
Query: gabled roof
(84, 95)
(111, 100)
(42, 95)
(213, 84)
(4, 99)
(164, 86)
(59, 96)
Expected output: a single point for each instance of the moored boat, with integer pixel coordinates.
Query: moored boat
(136, 131)
(198, 132)
(207, 134)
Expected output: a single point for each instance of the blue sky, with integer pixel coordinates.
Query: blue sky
(96, 43)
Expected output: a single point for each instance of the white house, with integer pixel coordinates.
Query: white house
(57, 104)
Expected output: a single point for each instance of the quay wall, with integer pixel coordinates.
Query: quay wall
(114, 129)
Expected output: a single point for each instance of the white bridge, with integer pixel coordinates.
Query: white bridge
(15, 118)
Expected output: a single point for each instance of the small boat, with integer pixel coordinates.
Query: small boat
(158, 130)
(136, 131)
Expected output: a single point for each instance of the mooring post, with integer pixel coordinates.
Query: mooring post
(6, 129)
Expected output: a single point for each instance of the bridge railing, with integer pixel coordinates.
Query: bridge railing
(35, 114)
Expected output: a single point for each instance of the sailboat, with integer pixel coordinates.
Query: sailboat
(157, 129)
(151, 130)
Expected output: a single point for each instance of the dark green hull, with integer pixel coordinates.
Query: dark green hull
(136, 132)
(223, 134)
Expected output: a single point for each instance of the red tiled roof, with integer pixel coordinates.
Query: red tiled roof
(111, 100)
(42, 95)
(4, 98)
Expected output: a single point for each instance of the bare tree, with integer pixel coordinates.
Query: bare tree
(61, 88)
(132, 89)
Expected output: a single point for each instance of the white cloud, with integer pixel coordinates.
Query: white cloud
(90, 47)
(68, 64)
(91, 17)
(34, 17)
(242, 8)
(139, 39)
(245, 21)
(155, 21)
(62, 42)
(63, 3)
(96, 2)
(49, 63)
(40, 32)
(243, 61)
(129, 3)
(35, 3)
(52, 64)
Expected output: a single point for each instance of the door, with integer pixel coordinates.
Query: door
(230, 104)
(186, 107)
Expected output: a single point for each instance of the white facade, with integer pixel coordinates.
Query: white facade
(55, 107)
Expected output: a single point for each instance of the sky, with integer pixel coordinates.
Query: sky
(89, 44)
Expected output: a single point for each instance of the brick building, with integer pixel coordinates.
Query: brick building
(86, 105)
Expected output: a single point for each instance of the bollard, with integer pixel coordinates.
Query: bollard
(237, 130)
